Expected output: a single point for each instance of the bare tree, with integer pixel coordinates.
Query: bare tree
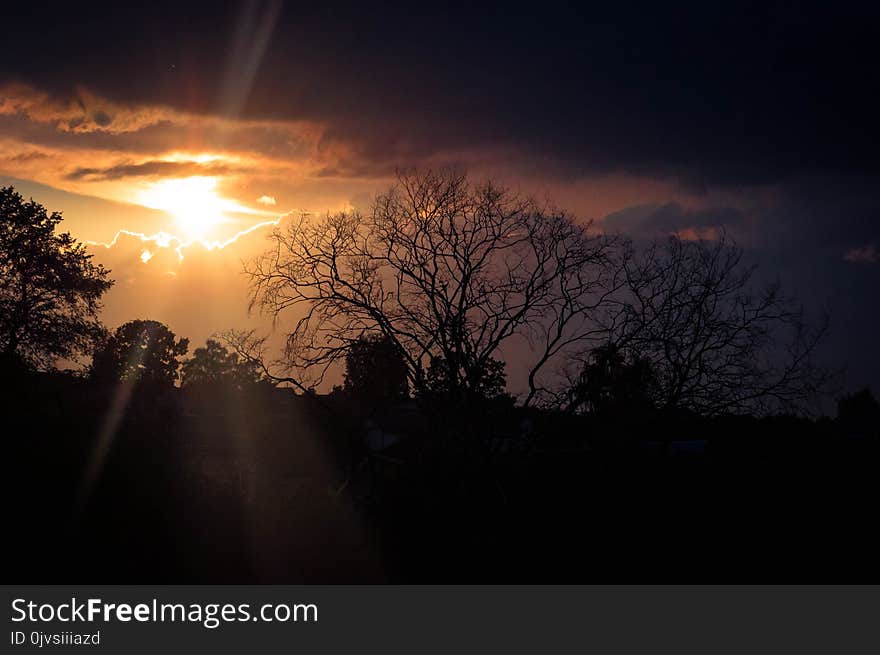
(714, 344)
(445, 270)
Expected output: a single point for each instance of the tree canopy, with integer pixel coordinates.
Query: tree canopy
(214, 366)
(50, 290)
(612, 386)
(375, 371)
(140, 351)
(486, 383)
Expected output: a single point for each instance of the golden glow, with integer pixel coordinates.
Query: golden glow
(165, 240)
(193, 201)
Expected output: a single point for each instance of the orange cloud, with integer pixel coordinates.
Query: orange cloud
(92, 146)
(103, 149)
(81, 114)
(84, 142)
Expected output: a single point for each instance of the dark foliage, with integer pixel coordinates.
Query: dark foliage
(213, 366)
(50, 291)
(859, 413)
(485, 382)
(140, 352)
(375, 371)
(613, 386)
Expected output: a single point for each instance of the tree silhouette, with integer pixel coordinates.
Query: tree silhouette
(485, 383)
(50, 290)
(142, 352)
(375, 371)
(446, 270)
(859, 413)
(612, 386)
(714, 343)
(214, 366)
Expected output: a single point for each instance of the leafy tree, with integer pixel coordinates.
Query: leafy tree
(375, 371)
(612, 385)
(50, 291)
(214, 366)
(140, 351)
(486, 382)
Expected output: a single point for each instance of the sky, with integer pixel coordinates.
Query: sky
(174, 136)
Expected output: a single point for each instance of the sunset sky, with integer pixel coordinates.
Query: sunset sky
(173, 136)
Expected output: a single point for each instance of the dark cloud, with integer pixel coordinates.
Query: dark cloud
(650, 220)
(154, 169)
(818, 236)
(25, 157)
(709, 93)
(102, 118)
(815, 236)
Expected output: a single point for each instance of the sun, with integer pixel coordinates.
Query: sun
(193, 201)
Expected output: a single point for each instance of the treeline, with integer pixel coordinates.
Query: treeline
(437, 279)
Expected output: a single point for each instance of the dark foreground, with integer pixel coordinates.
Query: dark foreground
(271, 488)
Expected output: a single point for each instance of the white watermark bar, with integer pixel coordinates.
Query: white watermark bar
(413, 619)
